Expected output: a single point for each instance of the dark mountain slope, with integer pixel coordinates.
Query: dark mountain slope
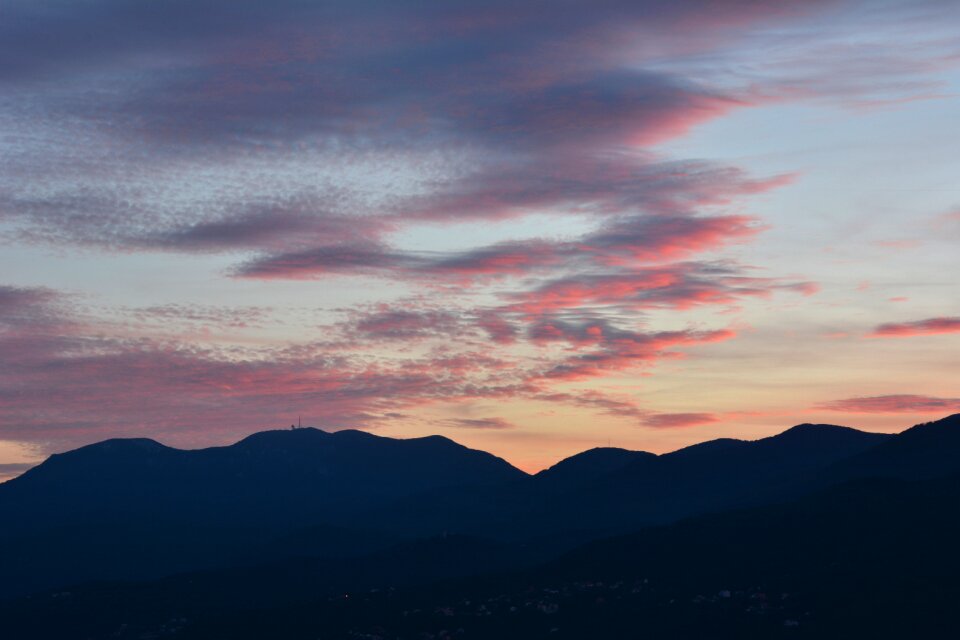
(707, 477)
(724, 474)
(927, 450)
(590, 465)
(280, 473)
(135, 508)
(607, 491)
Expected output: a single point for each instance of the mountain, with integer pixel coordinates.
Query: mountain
(282, 474)
(926, 450)
(590, 465)
(135, 508)
(729, 473)
(608, 492)
(356, 459)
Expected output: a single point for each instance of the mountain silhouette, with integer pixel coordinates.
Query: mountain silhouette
(591, 464)
(722, 474)
(353, 458)
(926, 450)
(874, 557)
(601, 492)
(134, 509)
(281, 473)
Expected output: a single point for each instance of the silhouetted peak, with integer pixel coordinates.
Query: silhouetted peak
(435, 442)
(609, 454)
(820, 437)
(282, 437)
(124, 444)
(807, 428)
(927, 450)
(440, 442)
(115, 448)
(100, 457)
(823, 433)
(949, 423)
(595, 462)
(305, 436)
(931, 434)
(707, 448)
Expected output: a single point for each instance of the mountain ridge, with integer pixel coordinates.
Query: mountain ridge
(272, 435)
(135, 508)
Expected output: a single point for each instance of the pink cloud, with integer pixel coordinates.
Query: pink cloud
(930, 326)
(625, 407)
(28, 305)
(674, 420)
(618, 406)
(901, 403)
(665, 238)
(675, 286)
(478, 423)
(626, 241)
(498, 327)
(365, 258)
(618, 350)
(391, 323)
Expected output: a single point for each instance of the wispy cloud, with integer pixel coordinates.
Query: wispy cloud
(477, 423)
(679, 420)
(927, 327)
(897, 403)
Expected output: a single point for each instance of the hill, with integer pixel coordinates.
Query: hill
(131, 509)
(138, 510)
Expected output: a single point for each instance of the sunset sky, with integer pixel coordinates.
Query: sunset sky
(532, 227)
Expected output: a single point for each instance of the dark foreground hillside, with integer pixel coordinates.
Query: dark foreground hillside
(869, 559)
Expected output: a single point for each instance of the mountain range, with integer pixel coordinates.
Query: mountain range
(309, 512)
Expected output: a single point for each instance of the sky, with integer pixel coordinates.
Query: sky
(534, 228)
